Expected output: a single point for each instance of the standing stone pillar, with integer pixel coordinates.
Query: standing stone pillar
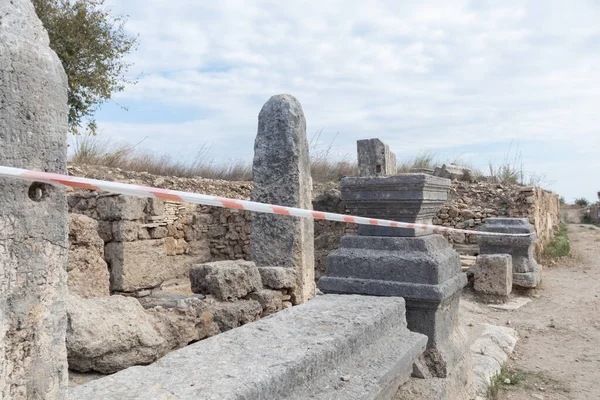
(281, 176)
(375, 158)
(33, 217)
(423, 268)
(527, 273)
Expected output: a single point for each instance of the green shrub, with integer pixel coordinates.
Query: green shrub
(560, 246)
(582, 202)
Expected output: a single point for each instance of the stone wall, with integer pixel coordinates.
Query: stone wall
(171, 236)
(470, 203)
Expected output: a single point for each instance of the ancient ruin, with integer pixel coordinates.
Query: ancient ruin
(420, 267)
(188, 301)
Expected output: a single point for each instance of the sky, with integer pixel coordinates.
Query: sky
(476, 81)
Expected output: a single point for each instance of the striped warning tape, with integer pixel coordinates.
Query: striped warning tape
(174, 195)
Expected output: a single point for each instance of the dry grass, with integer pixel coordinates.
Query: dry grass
(90, 150)
(326, 165)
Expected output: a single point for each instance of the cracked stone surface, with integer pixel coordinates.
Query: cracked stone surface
(33, 218)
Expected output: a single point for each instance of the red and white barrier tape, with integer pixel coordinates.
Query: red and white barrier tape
(215, 201)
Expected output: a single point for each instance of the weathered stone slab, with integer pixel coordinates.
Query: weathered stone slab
(452, 172)
(87, 271)
(271, 301)
(493, 274)
(143, 264)
(375, 158)
(226, 280)
(489, 353)
(277, 277)
(33, 217)
(229, 315)
(526, 271)
(281, 176)
(125, 231)
(412, 198)
(333, 347)
(121, 207)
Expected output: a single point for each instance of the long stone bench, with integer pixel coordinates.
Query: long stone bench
(333, 347)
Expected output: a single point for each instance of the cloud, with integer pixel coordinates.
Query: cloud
(439, 74)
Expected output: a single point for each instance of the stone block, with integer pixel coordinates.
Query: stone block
(229, 315)
(105, 231)
(375, 158)
(526, 271)
(158, 232)
(493, 274)
(155, 207)
(125, 231)
(226, 280)
(281, 175)
(271, 301)
(33, 215)
(425, 271)
(113, 333)
(143, 264)
(277, 277)
(88, 274)
(120, 207)
(414, 198)
(333, 347)
(453, 172)
(175, 247)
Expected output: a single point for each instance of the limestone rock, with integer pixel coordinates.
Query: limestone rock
(143, 264)
(33, 218)
(87, 270)
(277, 277)
(490, 352)
(125, 231)
(186, 322)
(493, 274)
(229, 315)
(110, 334)
(281, 176)
(226, 280)
(121, 207)
(113, 333)
(453, 172)
(271, 301)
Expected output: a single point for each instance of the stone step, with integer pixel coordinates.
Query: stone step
(333, 347)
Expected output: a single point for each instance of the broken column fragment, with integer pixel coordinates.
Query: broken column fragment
(33, 216)
(413, 264)
(281, 176)
(527, 273)
(375, 158)
(493, 276)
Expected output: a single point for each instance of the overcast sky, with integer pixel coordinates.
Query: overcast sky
(463, 79)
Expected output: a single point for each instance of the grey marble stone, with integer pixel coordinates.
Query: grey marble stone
(281, 176)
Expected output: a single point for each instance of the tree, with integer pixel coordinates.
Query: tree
(91, 45)
(582, 202)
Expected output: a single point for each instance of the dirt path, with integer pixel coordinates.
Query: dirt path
(558, 354)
